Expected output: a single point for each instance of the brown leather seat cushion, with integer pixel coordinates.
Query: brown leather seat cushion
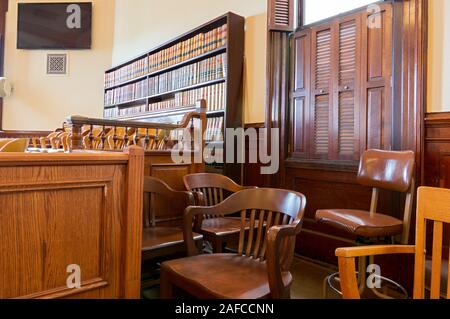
(223, 275)
(161, 237)
(223, 226)
(360, 223)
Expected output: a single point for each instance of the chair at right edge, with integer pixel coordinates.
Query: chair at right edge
(389, 170)
(433, 204)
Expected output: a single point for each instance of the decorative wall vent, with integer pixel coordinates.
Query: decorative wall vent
(57, 64)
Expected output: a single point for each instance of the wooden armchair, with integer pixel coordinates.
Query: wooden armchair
(210, 190)
(433, 204)
(18, 145)
(163, 218)
(260, 268)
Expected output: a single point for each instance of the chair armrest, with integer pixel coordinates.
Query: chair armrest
(364, 251)
(347, 269)
(280, 253)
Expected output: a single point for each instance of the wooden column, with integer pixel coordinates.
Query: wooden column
(133, 222)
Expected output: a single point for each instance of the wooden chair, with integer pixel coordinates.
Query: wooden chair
(260, 268)
(212, 189)
(18, 145)
(433, 204)
(162, 236)
(393, 171)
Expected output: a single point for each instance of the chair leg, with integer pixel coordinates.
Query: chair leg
(217, 246)
(166, 287)
(362, 266)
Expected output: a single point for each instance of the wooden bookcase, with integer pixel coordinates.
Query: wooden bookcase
(225, 108)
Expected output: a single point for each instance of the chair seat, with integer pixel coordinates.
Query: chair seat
(162, 237)
(224, 226)
(226, 276)
(360, 223)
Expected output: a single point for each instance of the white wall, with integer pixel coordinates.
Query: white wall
(143, 24)
(438, 56)
(41, 102)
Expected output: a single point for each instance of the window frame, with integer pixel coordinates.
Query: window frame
(301, 18)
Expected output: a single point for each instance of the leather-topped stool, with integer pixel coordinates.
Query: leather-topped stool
(378, 169)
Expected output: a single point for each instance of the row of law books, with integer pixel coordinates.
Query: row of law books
(214, 68)
(215, 96)
(182, 51)
(127, 93)
(214, 129)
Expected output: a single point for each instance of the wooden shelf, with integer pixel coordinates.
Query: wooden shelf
(187, 88)
(171, 68)
(231, 84)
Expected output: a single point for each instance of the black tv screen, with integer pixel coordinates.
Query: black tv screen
(62, 26)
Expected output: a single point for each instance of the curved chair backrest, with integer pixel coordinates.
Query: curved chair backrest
(5, 141)
(392, 171)
(263, 208)
(162, 204)
(387, 170)
(215, 187)
(19, 145)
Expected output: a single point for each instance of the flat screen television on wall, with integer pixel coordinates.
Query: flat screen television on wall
(54, 25)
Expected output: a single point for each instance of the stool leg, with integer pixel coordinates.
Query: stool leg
(325, 288)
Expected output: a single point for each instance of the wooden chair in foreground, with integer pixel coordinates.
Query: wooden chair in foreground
(433, 204)
(211, 190)
(260, 269)
(378, 169)
(18, 145)
(162, 236)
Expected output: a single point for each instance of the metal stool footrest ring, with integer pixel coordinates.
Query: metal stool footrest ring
(335, 278)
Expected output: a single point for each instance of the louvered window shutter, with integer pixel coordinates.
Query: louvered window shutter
(348, 82)
(341, 104)
(281, 15)
(321, 98)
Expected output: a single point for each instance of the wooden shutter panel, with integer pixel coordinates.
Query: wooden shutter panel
(299, 117)
(321, 99)
(347, 88)
(281, 15)
(376, 77)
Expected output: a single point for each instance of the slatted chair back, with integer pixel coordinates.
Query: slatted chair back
(214, 187)
(264, 208)
(433, 206)
(163, 205)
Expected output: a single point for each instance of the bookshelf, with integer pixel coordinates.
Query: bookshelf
(164, 83)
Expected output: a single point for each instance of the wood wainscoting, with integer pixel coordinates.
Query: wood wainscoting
(58, 210)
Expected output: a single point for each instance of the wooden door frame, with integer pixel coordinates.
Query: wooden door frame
(3, 11)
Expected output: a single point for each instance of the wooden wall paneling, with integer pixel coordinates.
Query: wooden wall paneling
(70, 209)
